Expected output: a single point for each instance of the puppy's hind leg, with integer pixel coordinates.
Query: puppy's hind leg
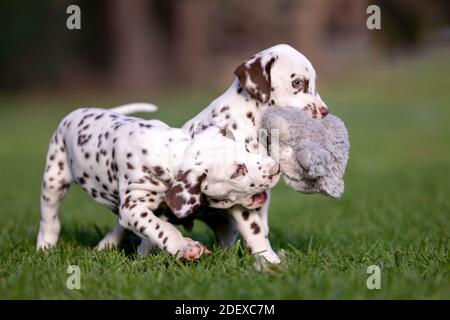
(112, 238)
(117, 234)
(145, 247)
(223, 226)
(56, 182)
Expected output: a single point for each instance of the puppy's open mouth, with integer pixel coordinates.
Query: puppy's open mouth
(259, 199)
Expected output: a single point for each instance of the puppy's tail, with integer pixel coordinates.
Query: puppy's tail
(135, 107)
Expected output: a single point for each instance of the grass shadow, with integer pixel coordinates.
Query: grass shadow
(82, 236)
(89, 238)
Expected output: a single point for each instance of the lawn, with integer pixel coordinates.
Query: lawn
(395, 212)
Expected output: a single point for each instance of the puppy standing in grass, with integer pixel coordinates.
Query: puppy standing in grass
(132, 166)
(279, 76)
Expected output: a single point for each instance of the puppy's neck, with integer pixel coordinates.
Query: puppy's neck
(238, 94)
(177, 153)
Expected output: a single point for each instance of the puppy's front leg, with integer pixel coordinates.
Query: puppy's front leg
(264, 214)
(112, 238)
(251, 227)
(136, 214)
(224, 227)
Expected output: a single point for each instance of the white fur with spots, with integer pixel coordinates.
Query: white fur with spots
(279, 76)
(130, 165)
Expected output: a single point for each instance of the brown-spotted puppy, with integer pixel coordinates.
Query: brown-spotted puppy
(276, 77)
(132, 166)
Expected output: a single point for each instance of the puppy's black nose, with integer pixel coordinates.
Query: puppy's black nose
(323, 111)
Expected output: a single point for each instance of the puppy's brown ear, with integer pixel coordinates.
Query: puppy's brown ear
(184, 195)
(254, 76)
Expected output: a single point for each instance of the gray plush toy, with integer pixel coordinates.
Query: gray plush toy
(313, 153)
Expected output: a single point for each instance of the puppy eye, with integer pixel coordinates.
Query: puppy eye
(297, 83)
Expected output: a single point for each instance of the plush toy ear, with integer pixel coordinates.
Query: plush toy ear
(314, 159)
(332, 186)
(254, 76)
(184, 195)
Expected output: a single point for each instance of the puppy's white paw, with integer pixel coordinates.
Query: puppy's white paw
(263, 264)
(44, 246)
(271, 257)
(46, 241)
(107, 243)
(193, 250)
(267, 261)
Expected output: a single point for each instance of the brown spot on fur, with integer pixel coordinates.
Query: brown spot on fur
(259, 75)
(241, 170)
(173, 198)
(195, 189)
(306, 85)
(255, 227)
(182, 175)
(158, 171)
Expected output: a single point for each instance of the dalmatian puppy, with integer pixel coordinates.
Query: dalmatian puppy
(276, 77)
(134, 166)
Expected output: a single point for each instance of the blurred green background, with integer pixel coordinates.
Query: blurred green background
(390, 86)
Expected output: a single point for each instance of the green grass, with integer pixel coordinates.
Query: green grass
(395, 212)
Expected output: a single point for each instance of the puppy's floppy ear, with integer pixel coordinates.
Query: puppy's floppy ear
(254, 76)
(184, 195)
